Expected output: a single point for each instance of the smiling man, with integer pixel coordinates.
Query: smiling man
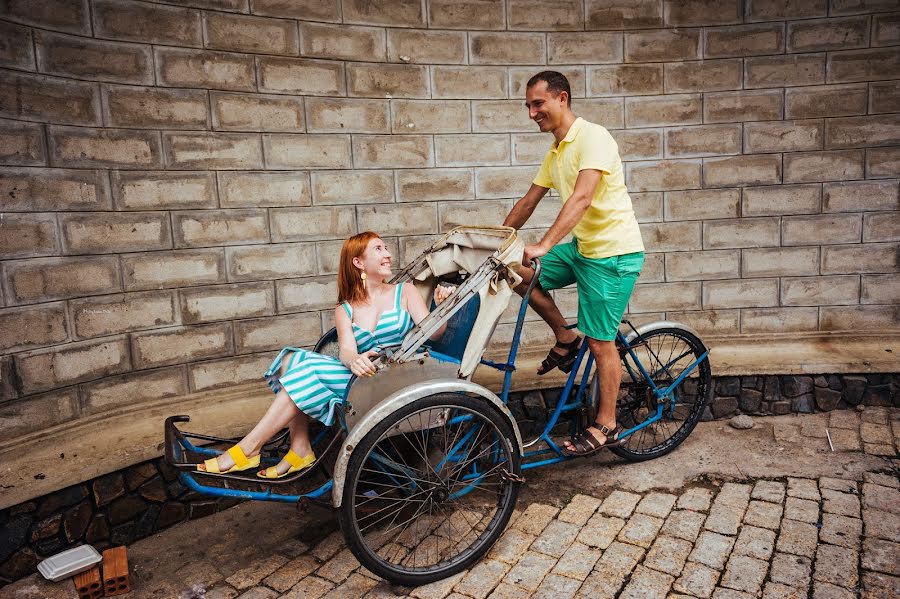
(603, 260)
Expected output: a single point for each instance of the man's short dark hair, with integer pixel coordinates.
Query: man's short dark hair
(556, 83)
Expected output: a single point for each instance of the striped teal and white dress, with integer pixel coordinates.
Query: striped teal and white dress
(316, 382)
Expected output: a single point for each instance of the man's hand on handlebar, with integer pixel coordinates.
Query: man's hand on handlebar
(534, 251)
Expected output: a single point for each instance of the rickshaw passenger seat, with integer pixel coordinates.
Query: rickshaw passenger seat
(452, 344)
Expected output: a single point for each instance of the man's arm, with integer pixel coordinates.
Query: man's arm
(524, 208)
(568, 217)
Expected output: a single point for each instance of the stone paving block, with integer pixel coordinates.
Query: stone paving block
(846, 504)
(338, 568)
(530, 570)
(834, 565)
(620, 557)
(841, 530)
(745, 574)
(258, 593)
(811, 426)
(640, 530)
(881, 586)
(774, 590)
(600, 531)
(557, 587)
(668, 555)
(882, 556)
(601, 584)
(763, 514)
(683, 524)
(723, 593)
(656, 504)
(838, 484)
(724, 519)
(768, 490)
(438, 589)
(290, 574)
(482, 579)
(712, 549)
(619, 504)
(535, 518)
(510, 546)
(799, 538)
(696, 580)
(646, 583)
(328, 547)
(577, 562)
(881, 498)
(580, 509)
(733, 494)
(256, 571)
(881, 524)
(843, 419)
(355, 586)
(556, 538)
(826, 590)
(876, 414)
(879, 450)
(697, 499)
(803, 510)
(504, 590)
(755, 542)
(884, 480)
(845, 440)
(803, 488)
(794, 570)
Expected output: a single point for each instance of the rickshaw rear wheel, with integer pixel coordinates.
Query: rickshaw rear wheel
(430, 489)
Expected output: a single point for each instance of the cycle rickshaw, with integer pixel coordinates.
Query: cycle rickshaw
(424, 466)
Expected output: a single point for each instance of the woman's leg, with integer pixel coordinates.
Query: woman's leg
(299, 428)
(280, 414)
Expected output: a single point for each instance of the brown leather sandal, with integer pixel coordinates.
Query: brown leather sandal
(585, 444)
(562, 361)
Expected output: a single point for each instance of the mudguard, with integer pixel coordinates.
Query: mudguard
(659, 324)
(399, 399)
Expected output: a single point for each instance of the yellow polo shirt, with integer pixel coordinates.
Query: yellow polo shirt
(609, 227)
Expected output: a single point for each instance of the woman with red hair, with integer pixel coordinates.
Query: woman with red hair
(370, 314)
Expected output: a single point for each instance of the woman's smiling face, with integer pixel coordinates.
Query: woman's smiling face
(376, 260)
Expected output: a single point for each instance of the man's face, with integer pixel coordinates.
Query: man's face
(543, 108)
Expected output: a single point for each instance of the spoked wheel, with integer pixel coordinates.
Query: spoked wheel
(430, 489)
(665, 354)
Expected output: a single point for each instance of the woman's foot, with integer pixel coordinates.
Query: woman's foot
(592, 439)
(292, 462)
(233, 460)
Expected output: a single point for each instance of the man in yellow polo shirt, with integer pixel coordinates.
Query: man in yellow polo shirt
(605, 257)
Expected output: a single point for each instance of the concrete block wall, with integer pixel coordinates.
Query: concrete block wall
(176, 176)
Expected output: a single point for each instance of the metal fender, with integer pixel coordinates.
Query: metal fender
(660, 324)
(399, 399)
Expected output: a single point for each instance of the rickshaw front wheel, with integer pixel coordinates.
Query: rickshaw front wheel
(430, 488)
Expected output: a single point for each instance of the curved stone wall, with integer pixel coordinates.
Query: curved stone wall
(177, 176)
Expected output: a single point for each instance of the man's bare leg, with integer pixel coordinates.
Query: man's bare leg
(609, 369)
(546, 308)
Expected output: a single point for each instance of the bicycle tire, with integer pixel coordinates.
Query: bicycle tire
(636, 402)
(396, 554)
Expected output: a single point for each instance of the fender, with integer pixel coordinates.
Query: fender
(661, 324)
(399, 399)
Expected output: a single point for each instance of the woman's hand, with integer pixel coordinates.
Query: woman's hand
(362, 365)
(442, 292)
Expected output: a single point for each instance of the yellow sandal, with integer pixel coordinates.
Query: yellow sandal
(297, 463)
(241, 462)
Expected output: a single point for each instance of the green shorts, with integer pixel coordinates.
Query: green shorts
(604, 286)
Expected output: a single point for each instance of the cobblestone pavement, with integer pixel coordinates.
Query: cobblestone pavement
(791, 518)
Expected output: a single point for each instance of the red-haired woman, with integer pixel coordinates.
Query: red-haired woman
(370, 314)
